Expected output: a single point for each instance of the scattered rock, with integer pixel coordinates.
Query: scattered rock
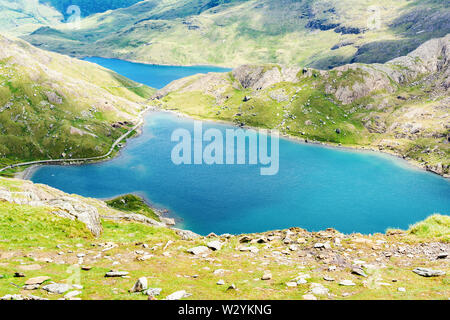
(72, 294)
(262, 240)
(56, 288)
(178, 295)
(140, 285)
(37, 280)
(318, 289)
(168, 221)
(322, 245)
(401, 289)
(251, 249)
(359, 272)
(347, 283)
(220, 282)
(153, 292)
(215, 245)
(20, 297)
(424, 272)
(144, 257)
(29, 267)
(186, 234)
(31, 286)
(19, 275)
(267, 276)
(232, 287)
(291, 284)
(219, 271)
(309, 297)
(245, 239)
(116, 274)
(198, 250)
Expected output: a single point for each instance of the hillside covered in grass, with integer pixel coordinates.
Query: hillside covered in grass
(46, 253)
(53, 106)
(26, 15)
(319, 33)
(400, 107)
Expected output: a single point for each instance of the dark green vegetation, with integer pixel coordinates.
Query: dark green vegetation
(132, 203)
(320, 34)
(54, 107)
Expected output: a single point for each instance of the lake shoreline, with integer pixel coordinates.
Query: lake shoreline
(355, 148)
(175, 212)
(83, 57)
(28, 173)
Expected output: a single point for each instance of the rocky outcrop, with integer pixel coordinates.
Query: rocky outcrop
(371, 80)
(431, 57)
(263, 77)
(60, 204)
(78, 208)
(134, 217)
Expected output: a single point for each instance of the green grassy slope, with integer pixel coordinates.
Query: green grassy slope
(320, 34)
(52, 106)
(35, 242)
(400, 107)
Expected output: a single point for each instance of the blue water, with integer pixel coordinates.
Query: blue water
(155, 76)
(316, 187)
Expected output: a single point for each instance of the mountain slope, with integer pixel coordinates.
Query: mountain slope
(53, 106)
(402, 106)
(320, 34)
(290, 264)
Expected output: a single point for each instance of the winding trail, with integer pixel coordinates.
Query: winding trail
(52, 161)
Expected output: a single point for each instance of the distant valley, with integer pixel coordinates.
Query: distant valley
(320, 34)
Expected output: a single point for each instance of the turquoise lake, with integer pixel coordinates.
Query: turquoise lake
(155, 76)
(316, 188)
